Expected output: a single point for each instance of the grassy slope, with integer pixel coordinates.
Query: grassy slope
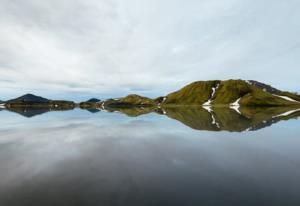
(131, 100)
(195, 93)
(228, 92)
(137, 100)
(231, 90)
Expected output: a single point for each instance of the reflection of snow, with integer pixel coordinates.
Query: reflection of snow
(287, 113)
(102, 106)
(286, 98)
(2, 106)
(235, 105)
(209, 109)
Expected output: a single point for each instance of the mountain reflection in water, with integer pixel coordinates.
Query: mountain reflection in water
(200, 118)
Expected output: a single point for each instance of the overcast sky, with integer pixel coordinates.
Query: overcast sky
(109, 48)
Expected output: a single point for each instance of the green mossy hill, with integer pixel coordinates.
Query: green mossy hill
(225, 93)
(193, 94)
(130, 100)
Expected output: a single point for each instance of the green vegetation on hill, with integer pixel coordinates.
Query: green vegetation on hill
(130, 100)
(231, 90)
(196, 93)
(225, 93)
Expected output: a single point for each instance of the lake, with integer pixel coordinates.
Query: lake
(172, 156)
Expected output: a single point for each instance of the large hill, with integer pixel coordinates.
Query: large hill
(230, 92)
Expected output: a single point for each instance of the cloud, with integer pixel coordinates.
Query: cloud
(112, 47)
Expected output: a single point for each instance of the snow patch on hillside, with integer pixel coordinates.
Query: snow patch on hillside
(214, 89)
(248, 82)
(286, 98)
(2, 106)
(164, 99)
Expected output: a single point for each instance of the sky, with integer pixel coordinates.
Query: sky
(110, 48)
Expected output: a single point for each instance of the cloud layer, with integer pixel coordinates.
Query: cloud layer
(114, 47)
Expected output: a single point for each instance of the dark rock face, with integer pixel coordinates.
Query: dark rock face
(265, 87)
(93, 100)
(29, 98)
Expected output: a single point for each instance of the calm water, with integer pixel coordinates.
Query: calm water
(185, 157)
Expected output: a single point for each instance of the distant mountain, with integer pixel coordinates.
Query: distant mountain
(29, 98)
(93, 100)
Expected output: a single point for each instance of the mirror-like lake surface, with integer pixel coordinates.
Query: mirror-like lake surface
(174, 156)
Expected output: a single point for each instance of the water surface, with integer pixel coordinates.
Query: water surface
(173, 156)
